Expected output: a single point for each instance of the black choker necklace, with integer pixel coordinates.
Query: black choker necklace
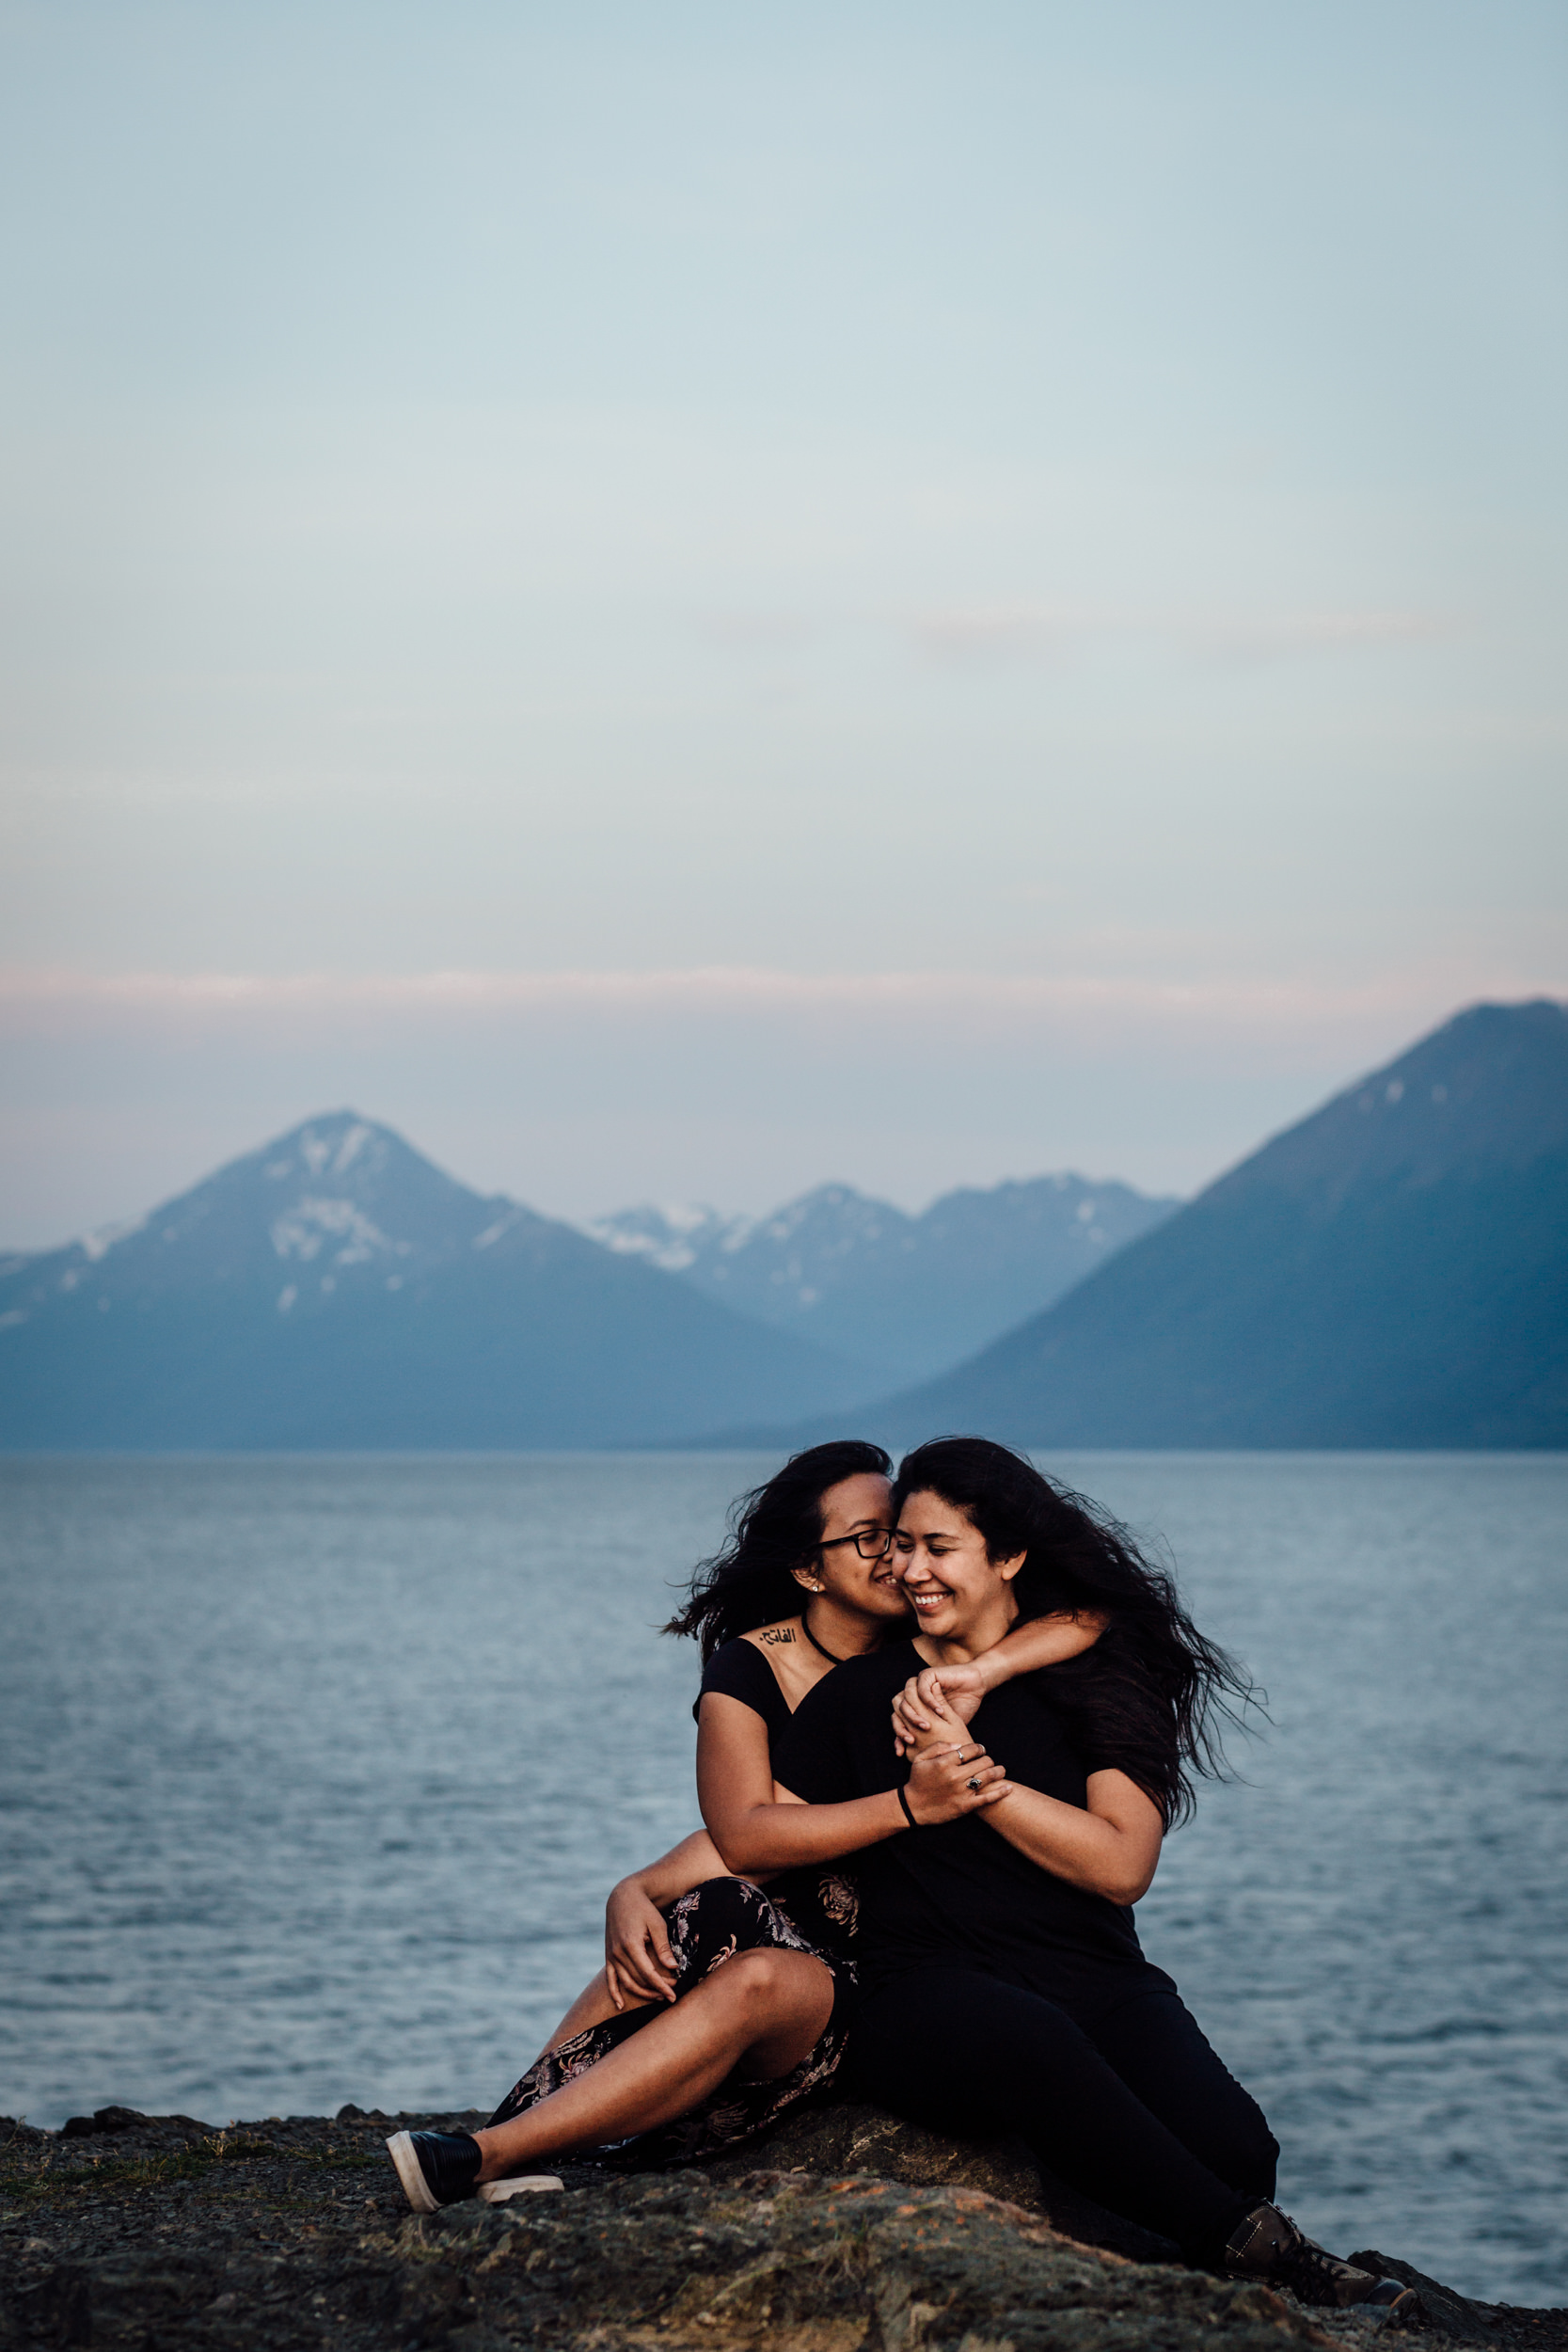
(815, 1644)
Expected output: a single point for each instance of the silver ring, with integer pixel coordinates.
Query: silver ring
(974, 1788)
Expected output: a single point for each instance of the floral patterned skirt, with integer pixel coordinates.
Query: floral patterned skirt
(707, 1928)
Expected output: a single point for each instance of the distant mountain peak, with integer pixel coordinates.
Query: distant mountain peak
(1486, 1088)
(338, 1203)
(895, 1291)
(1391, 1271)
(336, 1287)
(327, 1146)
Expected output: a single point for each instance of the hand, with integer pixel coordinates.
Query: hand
(638, 1965)
(921, 1698)
(945, 1782)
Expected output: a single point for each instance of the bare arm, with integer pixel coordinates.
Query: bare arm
(678, 1871)
(1110, 1846)
(1038, 1642)
(637, 1961)
(756, 1832)
(1112, 1849)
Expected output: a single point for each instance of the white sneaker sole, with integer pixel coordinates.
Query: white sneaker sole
(410, 2173)
(498, 2192)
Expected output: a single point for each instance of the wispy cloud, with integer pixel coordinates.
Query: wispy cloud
(579, 1091)
(40, 1001)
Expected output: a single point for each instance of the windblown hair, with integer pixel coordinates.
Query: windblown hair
(1152, 1696)
(773, 1529)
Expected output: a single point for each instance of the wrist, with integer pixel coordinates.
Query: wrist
(905, 1819)
(992, 1666)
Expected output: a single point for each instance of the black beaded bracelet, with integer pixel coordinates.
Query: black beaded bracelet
(908, 1815)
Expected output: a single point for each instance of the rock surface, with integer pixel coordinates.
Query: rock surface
(148, 2233)
(852, 2138)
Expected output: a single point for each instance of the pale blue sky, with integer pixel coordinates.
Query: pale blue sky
(1015, 497)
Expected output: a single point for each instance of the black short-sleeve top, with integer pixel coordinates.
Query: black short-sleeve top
(739, 1671)
(820, 1899)
(960, 1892)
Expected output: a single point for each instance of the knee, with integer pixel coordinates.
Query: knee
(747, 1976)
(763, 1980)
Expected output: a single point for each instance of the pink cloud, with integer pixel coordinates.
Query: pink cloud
(1084, 1003)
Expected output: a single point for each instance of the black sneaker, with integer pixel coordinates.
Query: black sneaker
(1268, 2246)
(436, 2168)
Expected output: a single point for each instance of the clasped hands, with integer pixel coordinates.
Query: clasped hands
(950, 1773)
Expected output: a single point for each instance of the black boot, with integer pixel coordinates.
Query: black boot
(436, 2168)
(1268, 2246)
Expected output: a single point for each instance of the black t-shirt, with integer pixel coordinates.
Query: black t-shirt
(739, 1671)
(960, 1892)
(819, 1898)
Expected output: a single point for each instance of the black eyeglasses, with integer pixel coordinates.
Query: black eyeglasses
(872, 1543)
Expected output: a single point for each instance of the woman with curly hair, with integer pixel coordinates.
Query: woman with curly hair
(1001, 1984)
(721, 2006)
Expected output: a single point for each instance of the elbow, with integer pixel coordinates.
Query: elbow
(1127, 1891)
(1123, 1886)
(1121, 1878)
(731, 1852)
(1116, 1887)
(739, 1852)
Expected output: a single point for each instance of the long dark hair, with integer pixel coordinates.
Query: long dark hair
(774, 1529)
(1153, 1695)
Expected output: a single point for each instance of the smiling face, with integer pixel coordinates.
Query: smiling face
(963, 1598)
(867, 1588)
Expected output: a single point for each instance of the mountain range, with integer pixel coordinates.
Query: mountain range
(335, 1288)
(1391, 1272)
(900, 1295)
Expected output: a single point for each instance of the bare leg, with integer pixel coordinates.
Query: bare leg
(593, 2007)
(757, 2014)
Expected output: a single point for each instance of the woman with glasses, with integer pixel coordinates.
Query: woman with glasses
(721, 2006)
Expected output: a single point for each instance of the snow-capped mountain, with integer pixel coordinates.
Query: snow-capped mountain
(341, 1203)
(337, 1289)
(899, 1294)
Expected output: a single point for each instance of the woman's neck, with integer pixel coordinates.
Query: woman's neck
(839, 1632)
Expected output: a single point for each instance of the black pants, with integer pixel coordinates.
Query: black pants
(1130, 2106)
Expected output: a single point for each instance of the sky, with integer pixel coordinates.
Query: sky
(685, 602)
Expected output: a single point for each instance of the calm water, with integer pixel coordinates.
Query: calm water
(315, 1773)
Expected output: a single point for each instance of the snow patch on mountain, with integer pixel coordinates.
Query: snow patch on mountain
(889, 1290)
(313, 1223)
(675, 1236)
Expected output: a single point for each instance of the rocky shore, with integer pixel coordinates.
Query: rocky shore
(843, 2232)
